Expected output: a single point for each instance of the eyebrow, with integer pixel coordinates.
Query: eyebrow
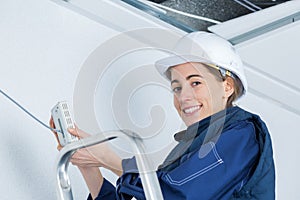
(193, 75)
(187, 78)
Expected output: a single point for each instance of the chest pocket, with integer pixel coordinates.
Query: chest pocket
(195, 165)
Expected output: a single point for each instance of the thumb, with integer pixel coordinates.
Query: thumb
(78, 132)
(81, 133)
(73, 131)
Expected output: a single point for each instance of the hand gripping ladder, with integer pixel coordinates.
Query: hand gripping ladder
(148, 176)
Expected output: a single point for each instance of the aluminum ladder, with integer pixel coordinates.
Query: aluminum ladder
(148, 176)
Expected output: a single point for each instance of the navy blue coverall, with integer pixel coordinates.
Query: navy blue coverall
(225, 156)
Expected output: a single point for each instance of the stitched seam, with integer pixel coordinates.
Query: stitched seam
(215, 152)
(202, 171)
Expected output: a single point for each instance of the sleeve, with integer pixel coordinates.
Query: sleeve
(107, 192)
(129, 184)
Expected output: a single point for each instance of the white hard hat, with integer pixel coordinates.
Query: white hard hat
(205, 48)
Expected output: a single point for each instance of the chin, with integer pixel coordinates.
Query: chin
(193, 121)
(189, 123)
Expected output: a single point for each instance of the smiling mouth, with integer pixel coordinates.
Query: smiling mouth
(191, 110)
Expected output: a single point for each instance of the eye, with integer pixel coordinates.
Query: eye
(195, 83)
(176, 89)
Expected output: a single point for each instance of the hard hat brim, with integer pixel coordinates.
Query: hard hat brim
(164, 64)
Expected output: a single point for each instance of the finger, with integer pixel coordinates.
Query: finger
(81, 133)
(79, 164)
(59, 147)
(82, 154)
(83, 163)
(56, 136)
(74, 132)
(85, 158)
(52, 125)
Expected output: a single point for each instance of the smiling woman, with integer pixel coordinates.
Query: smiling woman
(197, 93)
(225, 152)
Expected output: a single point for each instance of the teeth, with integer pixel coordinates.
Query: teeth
(192, 109)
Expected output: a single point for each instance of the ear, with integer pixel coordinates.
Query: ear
(228, 84)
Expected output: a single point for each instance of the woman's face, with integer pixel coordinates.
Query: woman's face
(197, 93)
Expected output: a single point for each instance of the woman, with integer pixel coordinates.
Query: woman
(225, 152)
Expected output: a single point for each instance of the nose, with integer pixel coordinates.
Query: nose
(186, 93)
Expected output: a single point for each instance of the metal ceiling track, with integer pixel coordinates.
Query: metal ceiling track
(266, 28)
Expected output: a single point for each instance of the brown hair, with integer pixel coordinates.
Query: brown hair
(238, 87)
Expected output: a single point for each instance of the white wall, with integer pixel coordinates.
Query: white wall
(42, 48)
(44, 45)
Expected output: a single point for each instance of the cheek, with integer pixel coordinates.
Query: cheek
(176, 104)
(202, 94)
(208, 96)
(217, 97)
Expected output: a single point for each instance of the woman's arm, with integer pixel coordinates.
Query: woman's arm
(99, 187)
(100, 155)
(93, 179)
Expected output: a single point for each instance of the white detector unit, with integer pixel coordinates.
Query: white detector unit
(63, 120)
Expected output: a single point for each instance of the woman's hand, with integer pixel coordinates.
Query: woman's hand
(93, 156)
(88, 160)
(100, 155)
(52, 125)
